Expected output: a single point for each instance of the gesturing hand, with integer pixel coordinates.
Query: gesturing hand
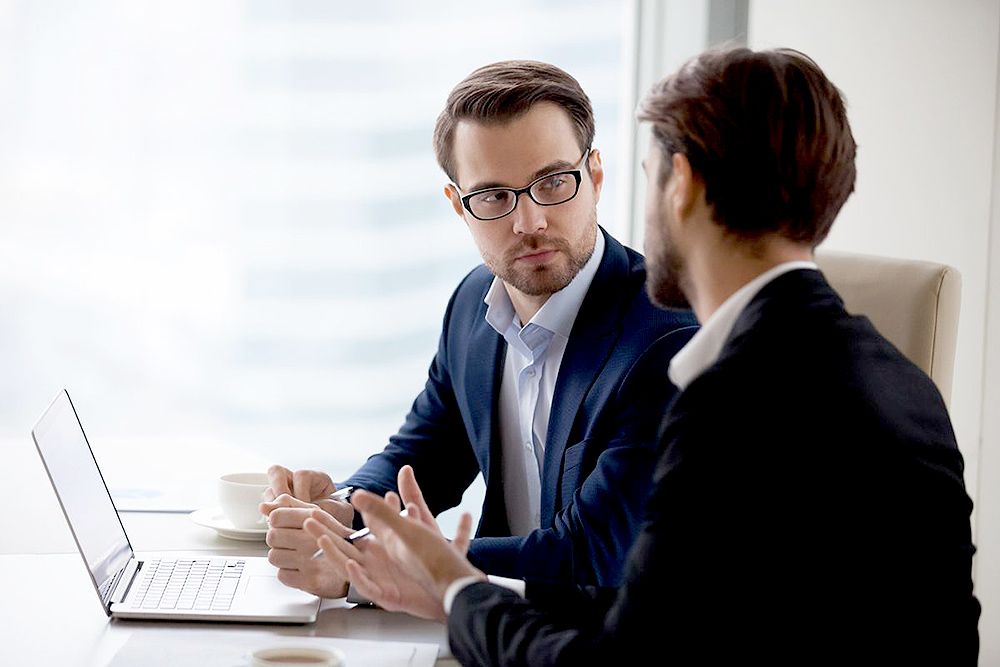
(406, 565)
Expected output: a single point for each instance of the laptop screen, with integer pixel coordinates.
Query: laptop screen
(81, 490)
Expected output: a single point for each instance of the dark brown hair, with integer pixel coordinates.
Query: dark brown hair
(502, 91)
(768, 135)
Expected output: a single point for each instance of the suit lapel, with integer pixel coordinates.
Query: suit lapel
(590, 343)
(483, 374)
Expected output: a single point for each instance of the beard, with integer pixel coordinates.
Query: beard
(552, 276)
(665, 273)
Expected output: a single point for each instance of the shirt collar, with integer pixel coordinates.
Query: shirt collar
(559, 312)
(704, 348)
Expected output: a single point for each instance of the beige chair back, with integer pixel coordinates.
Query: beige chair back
(914, 304)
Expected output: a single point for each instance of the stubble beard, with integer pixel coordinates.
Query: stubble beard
(552, 276)
(665, 275)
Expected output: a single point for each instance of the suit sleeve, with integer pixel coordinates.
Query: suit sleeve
(590, 536)
(660, 600)
(432, 439)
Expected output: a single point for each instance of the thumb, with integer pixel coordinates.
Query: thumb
(284, 500)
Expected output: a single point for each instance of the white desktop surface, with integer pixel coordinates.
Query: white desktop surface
(51, 614)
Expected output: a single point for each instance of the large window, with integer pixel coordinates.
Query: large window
(221, 223)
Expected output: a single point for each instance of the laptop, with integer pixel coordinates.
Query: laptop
(167, 586)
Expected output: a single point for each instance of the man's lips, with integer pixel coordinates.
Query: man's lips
(538, 256)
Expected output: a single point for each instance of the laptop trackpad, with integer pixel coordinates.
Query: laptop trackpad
(262, 585)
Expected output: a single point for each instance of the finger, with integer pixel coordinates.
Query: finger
(337, 551)
(413, 497)
(378, 514)
(414, 512)
(289, 517)
(290, 538)
(392, 501)
(339, 529)
(317, 527)
(292, 579)
(463, 534)
(409, 489)
(279, 478)
(302, 485)
(285, 559)
(316, 530)
(269, 495)
(341, 510)
(365, 584)
(284, 500)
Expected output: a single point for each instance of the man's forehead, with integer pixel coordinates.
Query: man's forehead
(506, 153)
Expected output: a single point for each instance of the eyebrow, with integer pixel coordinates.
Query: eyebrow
(552, 167)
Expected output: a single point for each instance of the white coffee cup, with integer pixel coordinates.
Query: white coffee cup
(240, 495)
(297, 656)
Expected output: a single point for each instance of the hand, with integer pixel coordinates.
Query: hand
(409, 565)
(292, 548)
(311, 486)
(413, 499)
(395, 590)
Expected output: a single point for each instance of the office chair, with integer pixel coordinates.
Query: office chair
(914, 304)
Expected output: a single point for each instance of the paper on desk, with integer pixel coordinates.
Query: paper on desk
(232, 648)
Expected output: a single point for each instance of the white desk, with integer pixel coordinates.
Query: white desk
(51, 614)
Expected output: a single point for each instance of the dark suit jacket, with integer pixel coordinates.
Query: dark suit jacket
(808, 508)
(601, 442)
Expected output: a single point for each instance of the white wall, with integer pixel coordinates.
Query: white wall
(988, 502)
(920, 77)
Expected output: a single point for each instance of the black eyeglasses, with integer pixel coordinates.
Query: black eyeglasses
(550, 190)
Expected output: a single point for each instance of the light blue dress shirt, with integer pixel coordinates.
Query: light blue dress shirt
(531, 367)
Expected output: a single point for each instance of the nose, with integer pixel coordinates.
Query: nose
(529, 217)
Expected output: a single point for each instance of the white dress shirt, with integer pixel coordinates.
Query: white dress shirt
(530, 370)
(704, 348)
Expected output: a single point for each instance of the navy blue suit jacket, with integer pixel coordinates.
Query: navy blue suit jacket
(610, 395)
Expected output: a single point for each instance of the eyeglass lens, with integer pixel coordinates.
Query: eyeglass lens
(548, 191)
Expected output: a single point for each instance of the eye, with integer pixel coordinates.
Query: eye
(495, 197)
(554, 182)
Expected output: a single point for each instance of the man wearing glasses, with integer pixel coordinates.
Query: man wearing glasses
(549, 376)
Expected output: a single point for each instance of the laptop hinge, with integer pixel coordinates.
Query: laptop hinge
(125, 579)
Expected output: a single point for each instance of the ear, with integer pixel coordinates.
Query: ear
(451, 193)
(684, 188)
(596, 172)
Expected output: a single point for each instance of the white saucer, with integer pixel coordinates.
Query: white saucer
(212, 517)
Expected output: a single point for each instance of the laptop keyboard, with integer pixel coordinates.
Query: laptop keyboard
(197, 585)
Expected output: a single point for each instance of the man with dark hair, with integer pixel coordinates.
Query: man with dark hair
(808, 505)
(547, 379)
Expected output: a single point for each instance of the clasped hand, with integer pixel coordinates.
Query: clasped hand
(291, 499)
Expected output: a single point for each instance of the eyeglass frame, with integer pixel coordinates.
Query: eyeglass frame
(576, 173)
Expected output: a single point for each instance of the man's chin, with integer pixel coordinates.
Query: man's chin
(541, 281)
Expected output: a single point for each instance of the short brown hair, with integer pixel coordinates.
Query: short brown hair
(503, 91)
(767, 133)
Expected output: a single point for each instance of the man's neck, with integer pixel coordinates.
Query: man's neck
(525, 305)
(722, 268)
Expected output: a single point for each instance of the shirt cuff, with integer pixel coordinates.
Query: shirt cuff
(457, 586)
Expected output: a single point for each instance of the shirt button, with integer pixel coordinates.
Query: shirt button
(527, 445)
(531, 372)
